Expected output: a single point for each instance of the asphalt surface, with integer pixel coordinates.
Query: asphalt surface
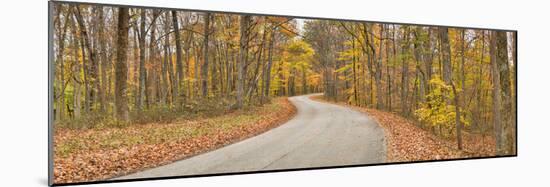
(320, 135)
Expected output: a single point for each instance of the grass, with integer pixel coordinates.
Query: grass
(203, 108)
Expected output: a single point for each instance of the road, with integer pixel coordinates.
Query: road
(320, 135)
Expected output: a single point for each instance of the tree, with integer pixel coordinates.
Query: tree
(267, 75)
(243, 50)
(447, 76)
(121, 71)
(75, 79)
(505, 146)
(168, 60)
(153, 86)
(458, 122)
(103, 61)
(435, 111)
(446, 54)
(142, 72)
(90, 70)
(378, 73)
(419, 57)
(405, 72)
(204, 69)
(61, 33)
(495, 74)
(179, 65)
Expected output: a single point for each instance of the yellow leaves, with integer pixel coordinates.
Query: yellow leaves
(344, 68)
(300, 49)
(436, 110)
(314, 79)
(298, 54)
(353, 51)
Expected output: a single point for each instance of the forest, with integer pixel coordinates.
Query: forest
(122, 66)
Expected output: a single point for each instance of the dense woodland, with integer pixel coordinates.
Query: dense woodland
(132, 65)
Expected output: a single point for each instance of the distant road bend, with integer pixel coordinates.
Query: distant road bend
(320, 135)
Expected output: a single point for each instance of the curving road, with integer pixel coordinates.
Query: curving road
(319, 135)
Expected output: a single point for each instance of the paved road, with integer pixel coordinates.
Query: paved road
(319, 135)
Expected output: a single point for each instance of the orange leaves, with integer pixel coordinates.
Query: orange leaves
(407, 142)
(97, 154)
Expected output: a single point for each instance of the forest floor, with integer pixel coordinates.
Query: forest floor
(407, 142)
(97, 154)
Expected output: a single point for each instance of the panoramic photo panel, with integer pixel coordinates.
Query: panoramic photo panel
(155, 92)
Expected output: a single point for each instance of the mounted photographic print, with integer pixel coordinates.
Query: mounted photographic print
(157, 93)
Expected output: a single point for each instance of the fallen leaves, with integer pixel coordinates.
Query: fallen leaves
(407, 142)
(98, 154)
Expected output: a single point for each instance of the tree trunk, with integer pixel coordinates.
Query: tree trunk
(355, 99)
(103, 62)
(446, 54)
(282, 90)
(394, 66)
(75, 79)
(85, 72)
(92, 69)
(388, 76)
(505, 93)
(405, 74)
(378, 74)
(121, 71)
(163, 74)
(230, 70)
(204, 68)
(253, 84)
(291, 84)
(457, 118)
(267, 77)
(245, 19)
(462, 64)
(142, 71)
(419, 57)
(168, 63)
(514, 92)
(196, 84)
(179, 64)
(477, 112)
(497, 126)
(135, 68)
(304, 79)
(371, 57)
(153, 86)
(60, 110)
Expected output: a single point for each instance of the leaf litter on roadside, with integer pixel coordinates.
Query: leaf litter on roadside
(96, 154)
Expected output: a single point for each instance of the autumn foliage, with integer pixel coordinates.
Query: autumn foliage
(435, 111)
(135, 87)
